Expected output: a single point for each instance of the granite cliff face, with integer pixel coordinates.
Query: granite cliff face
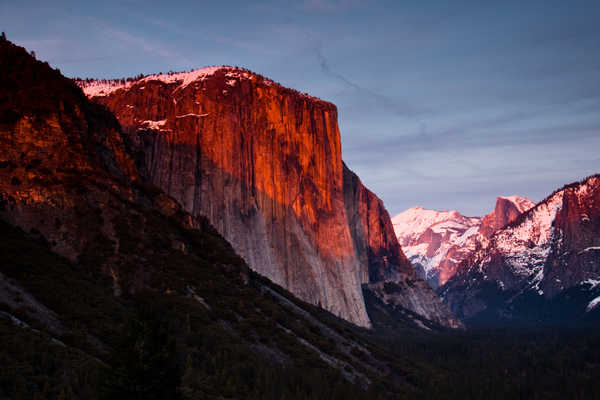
(373, 235)
(264, 164)
(506, 211)
(386, 272)
(542, 266)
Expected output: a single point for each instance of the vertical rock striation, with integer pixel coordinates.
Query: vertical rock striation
(377, 249)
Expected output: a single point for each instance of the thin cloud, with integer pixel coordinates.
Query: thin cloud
(54, 50)
(330, 5)
(394, 106)
(252, 46)
(142, 43)
(467, 141)
(133, 41)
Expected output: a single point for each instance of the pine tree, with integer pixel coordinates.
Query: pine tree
(188, 372)
(188, 324)
(70, 395)
(144, 364)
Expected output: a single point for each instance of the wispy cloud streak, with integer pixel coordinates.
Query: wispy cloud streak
(330, 5)
(397, 107)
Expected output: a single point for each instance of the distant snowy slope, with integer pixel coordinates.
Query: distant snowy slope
(436, 242)
(431, 240)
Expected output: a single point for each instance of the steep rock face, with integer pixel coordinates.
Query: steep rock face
(507, 210)
(264, 164)
(373, 234)
(386, 272)
(546, 258)
(575, 255)
(438, 241)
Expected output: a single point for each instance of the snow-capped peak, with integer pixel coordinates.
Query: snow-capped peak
(435, 241)
(412, 223)
(438, 241)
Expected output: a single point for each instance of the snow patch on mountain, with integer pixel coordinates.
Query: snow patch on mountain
(593, 304)
(104, 87)
(412, 223)
(191, 115)
(96, 88)
(154, 124)
(592, 282)
(593, 248)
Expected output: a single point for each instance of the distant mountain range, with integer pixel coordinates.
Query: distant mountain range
(524, 263)
(436, 242)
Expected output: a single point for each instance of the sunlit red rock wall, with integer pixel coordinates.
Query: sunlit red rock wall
(263, 163)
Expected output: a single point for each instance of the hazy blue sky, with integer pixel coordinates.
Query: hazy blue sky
(444, 104)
